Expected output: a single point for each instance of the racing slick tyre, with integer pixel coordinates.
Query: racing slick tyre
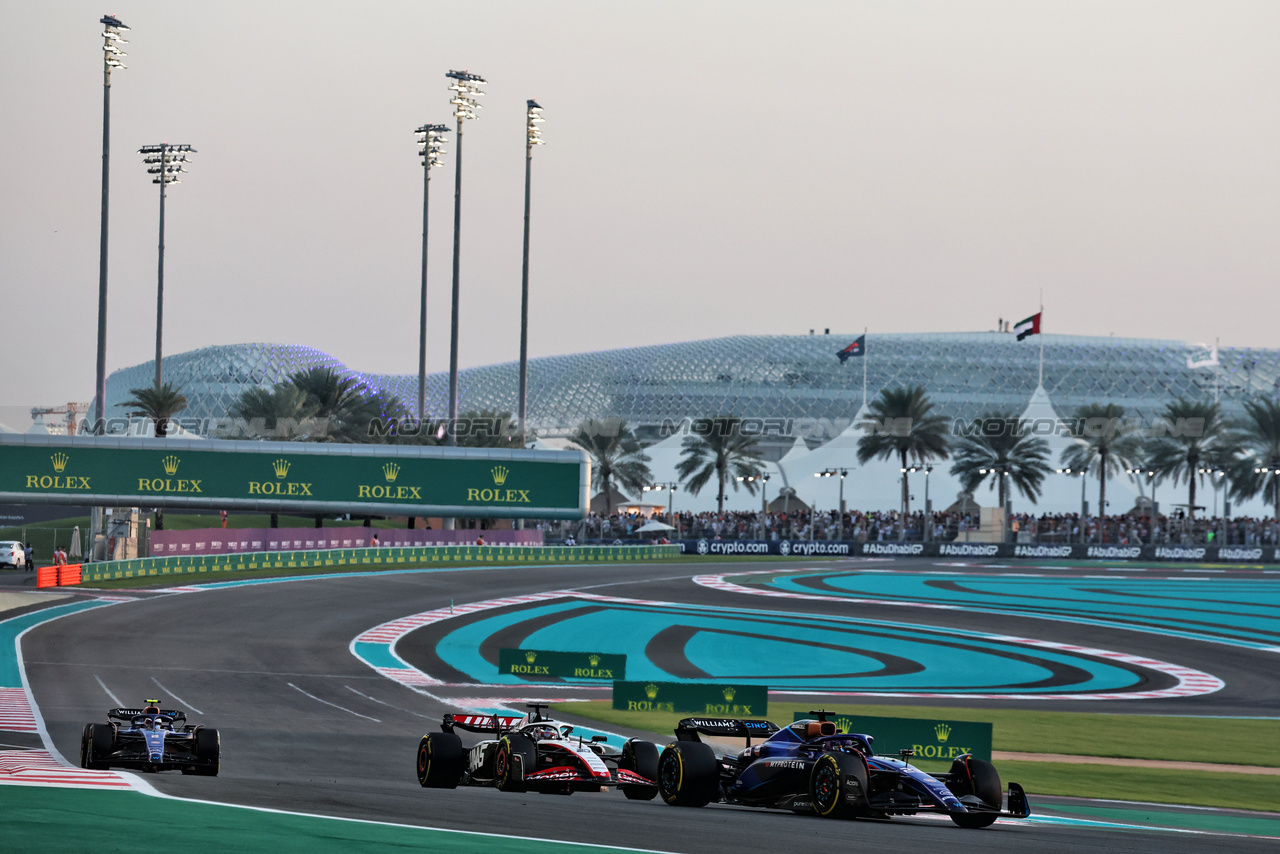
(440, 760)
(974, 777)
(642, 758)
(97, 742)
(516, 756)
(838, 785)
(688, 774)
(208, 751)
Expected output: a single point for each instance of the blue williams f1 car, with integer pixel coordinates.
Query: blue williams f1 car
(150, 739)
(810, 767)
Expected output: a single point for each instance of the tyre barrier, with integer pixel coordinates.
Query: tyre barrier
(386, 556)
(58, 576)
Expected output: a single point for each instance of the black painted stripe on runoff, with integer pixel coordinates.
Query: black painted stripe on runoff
(514, 635)
(678, 637)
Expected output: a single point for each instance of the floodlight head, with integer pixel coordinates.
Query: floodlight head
(113, 22)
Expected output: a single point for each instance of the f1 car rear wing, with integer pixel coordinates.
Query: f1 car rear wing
(130, 714)
(689, 728)
(496, 724)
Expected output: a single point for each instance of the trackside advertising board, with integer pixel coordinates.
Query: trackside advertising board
(723, 701)
(930, 738)
(293, 476)
(551, 664)
(963, 551)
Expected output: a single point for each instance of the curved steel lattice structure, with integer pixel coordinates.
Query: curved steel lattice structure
(773, 376)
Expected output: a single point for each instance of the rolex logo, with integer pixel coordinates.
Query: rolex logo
(60, 461)
(594, 659)
(391, 470)
(281, 467)
(729, 693)
(499, 474)
(531, 656)
(651, 691)
(170, 464)
(943, 731)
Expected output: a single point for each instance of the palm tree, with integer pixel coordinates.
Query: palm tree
(159, 403)
(264, 409)
(898, 424)
(1104, 443)
(344, 402)
(489, 428)
(1006, 454)
(718, 447)
(616, 456)
(1193, 433)
(1258, 437)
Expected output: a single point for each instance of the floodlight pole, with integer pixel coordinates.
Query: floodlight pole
(430, 138)
(111, 59)
(466, 85)
(533, 136)
(166, 162)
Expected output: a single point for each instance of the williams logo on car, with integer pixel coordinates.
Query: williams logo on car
(968, 550)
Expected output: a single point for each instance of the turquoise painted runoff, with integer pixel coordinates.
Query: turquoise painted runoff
(784, 651)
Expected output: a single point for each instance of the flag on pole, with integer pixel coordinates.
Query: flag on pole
(857, 348)
(1030, 326)
(1204, 357)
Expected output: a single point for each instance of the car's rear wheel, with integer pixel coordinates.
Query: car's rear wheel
(838, 785)
(642, 758)
(688, 774)
(101, 744)
(440, 760)
(516, 756)
(973, 777)
(85, 736)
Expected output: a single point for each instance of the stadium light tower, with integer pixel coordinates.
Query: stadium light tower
(111, 56)
(466, 88)
(431, 138)
(166, 162)
(532, 137)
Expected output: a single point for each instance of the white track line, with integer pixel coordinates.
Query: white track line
(175, 696)
(335, 705)
(388, 705)
(113, 697)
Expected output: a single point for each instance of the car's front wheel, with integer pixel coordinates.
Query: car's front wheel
(971, 778)
(642, 758)
(838, 785)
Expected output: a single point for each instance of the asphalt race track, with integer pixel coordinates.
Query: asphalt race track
(308, 726)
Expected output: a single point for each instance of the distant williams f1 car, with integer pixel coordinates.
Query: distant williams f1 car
(810, 767)
(534, 754)
(150, 739)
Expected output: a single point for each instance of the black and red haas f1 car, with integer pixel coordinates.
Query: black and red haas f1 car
(150, 739)
(534, 754)
(810, 767)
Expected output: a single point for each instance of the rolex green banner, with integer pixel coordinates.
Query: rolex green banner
(930, 738)
(552, 664)
(292, 476)
(723, 701)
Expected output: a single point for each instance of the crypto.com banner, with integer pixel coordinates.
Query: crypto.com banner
(1044, 551)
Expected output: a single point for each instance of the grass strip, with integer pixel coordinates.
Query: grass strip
(1154, 785)
(51, 820)
(1229, 741)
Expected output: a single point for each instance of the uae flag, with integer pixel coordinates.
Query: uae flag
(1030, 326)
(857, 348)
